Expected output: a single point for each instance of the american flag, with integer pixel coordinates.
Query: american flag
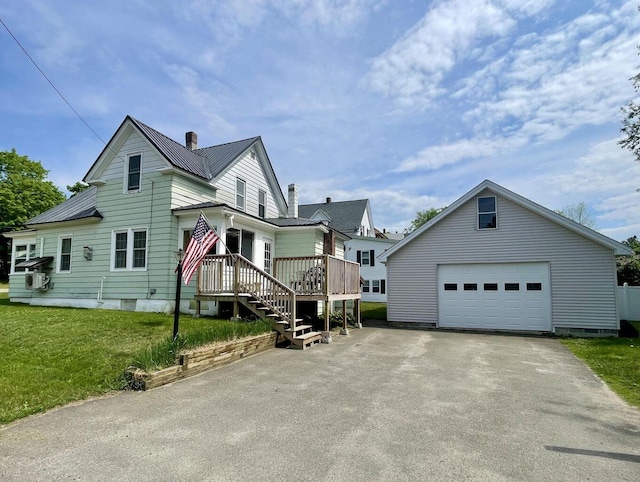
(203, 237)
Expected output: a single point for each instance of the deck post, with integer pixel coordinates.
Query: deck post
(326, 315)
(356, 312)
(345, 330)
(236, 278)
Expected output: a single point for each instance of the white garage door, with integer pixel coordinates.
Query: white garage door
(508, 296)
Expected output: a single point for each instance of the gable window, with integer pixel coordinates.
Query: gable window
(366, 257)
(262, 203)
(129, 249)
(64, 254)
(133, 172)
(241, 187)
(487, 213)
(23, 252)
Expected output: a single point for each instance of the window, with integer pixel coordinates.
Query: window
(64, 254)
(487, 213)
(450, 287)
(262, 203)
(267, 256)
(365, 286)
(534, 286)
(241, 187)
(470, 287)
(376, 286)
(129, 249)
(491, 286)
(366, 258)
(512, 286)
(23, 252)
(133, 172)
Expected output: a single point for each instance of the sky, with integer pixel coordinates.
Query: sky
(407, 103)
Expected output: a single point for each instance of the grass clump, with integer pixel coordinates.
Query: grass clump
(165, 353)
(615, 360)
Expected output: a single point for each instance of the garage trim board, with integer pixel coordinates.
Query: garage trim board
(495, 296)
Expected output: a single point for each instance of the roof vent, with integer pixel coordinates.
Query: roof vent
(191, 140)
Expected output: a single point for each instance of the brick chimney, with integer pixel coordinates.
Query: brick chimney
(328, 200)
(293, 201)
(191, 140)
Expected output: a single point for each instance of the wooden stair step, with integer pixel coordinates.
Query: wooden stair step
(301, 328)
(307, 336)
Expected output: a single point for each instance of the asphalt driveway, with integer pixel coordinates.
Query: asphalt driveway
(380, 404)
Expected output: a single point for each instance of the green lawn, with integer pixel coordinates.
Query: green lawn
(371, 310)
(615, 360)
(52, 356)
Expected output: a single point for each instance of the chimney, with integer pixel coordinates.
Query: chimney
(191, 140)
(293, 201)
(328, 200)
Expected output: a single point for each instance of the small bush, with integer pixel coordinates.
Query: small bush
(335, 319)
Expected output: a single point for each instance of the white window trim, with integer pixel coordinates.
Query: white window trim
(14, 244)
(244, 194)
(129, 266)
(495, 203)
(59, 257)
(267, 241)
(262, 191)
(128, 155)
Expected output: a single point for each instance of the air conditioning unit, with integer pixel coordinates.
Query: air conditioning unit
(36, 281)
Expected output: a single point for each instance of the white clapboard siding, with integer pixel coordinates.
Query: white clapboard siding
(582, 271)
(186, 192)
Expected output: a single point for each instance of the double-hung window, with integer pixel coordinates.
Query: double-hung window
(134, 165)
(64, 254)
(366, 257)
(129, 249)
(366, 286)
(487, 213)
(262, 203)
(23, 252)
(241, 188)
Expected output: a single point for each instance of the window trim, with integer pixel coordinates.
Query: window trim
(479, 213)
(366, 286)
(240, 181)
(267, 255)
(375, 286)
(127, 173)
(61, 239)
(130, 249)
(28, 242)
(262, 205)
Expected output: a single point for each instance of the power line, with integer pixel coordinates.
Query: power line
(51, 83)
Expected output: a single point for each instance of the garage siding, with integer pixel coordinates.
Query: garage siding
(582, 271)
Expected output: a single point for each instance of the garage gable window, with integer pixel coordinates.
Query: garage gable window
(487, 213)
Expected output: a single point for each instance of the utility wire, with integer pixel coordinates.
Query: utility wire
(51, 83)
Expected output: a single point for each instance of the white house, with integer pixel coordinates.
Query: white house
(495, 260)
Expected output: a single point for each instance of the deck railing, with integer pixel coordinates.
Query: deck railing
(318, 275)
(232, 274)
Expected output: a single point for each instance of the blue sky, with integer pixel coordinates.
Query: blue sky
(407, 103)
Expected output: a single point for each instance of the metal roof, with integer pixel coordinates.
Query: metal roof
(80, 206)
(218, 158)
(345, 216)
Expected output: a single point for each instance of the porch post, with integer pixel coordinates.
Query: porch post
(356, 312)
(236, 277)
(345, 330)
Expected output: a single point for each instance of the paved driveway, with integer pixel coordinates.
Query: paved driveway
(380, 404)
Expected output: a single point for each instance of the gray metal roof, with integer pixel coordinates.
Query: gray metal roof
(346, 216)
(285, 222)
(207, 162)
(80, 206)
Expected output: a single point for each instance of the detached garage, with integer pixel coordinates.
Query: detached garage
(495, 260)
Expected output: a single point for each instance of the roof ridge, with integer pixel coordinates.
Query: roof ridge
(227, 143)
(166, 137)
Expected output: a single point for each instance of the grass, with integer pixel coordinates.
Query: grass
(52, 356)
(615, 360)
(371, 310)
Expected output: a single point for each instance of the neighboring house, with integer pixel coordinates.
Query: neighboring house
(354, 219)
(113, 245)
(495, 260)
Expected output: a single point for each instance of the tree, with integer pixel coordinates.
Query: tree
(77, 188)
(422, 217)
(629, 266)
(24, 189)
(578, 213)
(631, 122)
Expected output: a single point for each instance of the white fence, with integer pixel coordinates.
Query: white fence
(629, 302)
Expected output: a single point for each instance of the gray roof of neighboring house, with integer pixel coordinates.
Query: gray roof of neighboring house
(293, 222)
(207, 162)
(346, 216)
(80, 206)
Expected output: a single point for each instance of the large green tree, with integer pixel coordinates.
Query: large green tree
(24, 189)
(631, 122)
(629, 266)
(422, 217)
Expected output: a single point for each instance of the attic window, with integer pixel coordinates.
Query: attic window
(241, 187)
(133, 172)
(487, 213)
(262, 203)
